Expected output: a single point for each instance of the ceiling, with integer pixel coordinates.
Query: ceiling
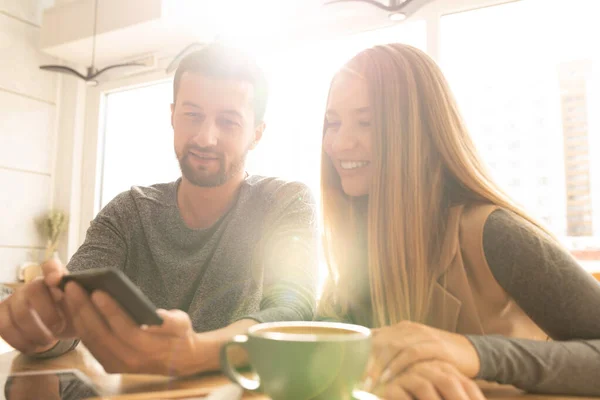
(131, 28)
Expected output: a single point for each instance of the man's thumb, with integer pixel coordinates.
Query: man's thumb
(53, 272)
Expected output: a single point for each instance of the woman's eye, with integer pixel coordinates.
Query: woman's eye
(332, 125)
(364, 124)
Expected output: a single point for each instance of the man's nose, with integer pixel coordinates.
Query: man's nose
(207, 134)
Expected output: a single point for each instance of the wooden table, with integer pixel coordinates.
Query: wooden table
(117, 386)
(13, 285)
(144, 387)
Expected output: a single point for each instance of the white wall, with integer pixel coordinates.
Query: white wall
(27, 125)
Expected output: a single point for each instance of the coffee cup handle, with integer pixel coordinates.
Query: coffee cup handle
(230, 371)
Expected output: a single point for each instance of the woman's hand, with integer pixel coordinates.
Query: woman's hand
(399, 347)
(430, 380)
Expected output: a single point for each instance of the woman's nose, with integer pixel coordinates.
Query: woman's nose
(343, 140)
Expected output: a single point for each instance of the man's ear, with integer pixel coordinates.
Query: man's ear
(258, 133)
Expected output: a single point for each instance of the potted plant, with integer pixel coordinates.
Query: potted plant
(51, 227)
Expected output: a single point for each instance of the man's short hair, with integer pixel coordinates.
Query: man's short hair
(217, 60)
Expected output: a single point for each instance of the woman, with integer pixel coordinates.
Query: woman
(425, 248)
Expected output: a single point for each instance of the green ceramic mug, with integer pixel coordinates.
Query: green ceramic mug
(302, 360)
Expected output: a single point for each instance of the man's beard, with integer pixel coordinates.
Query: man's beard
(202, 177)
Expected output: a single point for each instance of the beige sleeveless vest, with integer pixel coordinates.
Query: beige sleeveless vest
(467, 299)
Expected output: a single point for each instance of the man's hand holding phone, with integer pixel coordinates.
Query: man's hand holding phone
(123, 346)
(34, 317)
(40, 313)
(124, 331)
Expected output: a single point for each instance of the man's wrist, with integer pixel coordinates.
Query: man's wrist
(205, 354)
(40, 350)
(44, 351)
(206, 347)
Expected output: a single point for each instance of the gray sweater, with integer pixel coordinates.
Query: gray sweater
(259, 261)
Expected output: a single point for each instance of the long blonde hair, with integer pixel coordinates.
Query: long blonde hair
(424, 162)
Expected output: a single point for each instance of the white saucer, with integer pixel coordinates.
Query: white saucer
(361, 395)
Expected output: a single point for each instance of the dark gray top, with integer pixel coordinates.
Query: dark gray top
(559, 296)
(259, 261)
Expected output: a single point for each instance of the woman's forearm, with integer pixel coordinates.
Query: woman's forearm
(569, 367)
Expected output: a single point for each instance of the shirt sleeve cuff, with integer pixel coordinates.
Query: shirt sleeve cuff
(275, 314)
(487, 366)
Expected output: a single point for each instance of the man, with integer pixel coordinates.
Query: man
(228, 249)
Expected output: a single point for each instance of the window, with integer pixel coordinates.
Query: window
(581, 197)
(578, 187)
(576, 139)
(579, 148)
(138, 139)
(578, 178)
(576, 168)
(578, 157)
(579, 208)
(519, 70)
(569, 99)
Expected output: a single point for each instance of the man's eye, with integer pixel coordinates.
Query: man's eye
(229, 123)
(365, 124)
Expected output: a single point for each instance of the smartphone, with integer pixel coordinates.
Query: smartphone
(121, 289)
